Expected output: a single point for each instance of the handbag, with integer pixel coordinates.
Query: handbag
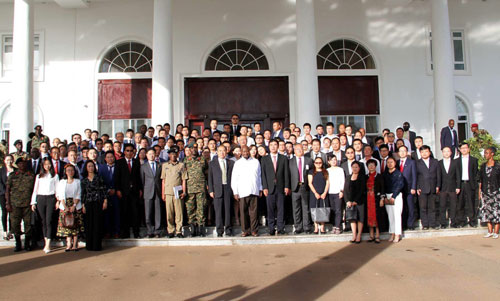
(69, 220)
(388, 201)
(351, 213)
(320, 214)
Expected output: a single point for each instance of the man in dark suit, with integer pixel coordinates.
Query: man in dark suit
(219, 188)
(275, 185)
(235, 127)
(316, 151)
(468, 202)
(112, 214)
(34, 164)
(128, 189)
(410, 135)
(320, 132)
(151, 185)
(213, 127)
(339, 154)
(299, 167)
(428, 179)
(277, 131)
(449, 137)
(57, 162)
(408, 169)
(448, 188)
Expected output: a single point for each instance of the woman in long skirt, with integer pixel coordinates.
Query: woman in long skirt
(94, 202)
(490, 193)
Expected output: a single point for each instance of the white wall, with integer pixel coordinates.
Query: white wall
(396, 35)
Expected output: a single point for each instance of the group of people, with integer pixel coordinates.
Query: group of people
(241, 175)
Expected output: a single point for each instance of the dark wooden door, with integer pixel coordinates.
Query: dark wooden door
(124, 99)
(255, 99)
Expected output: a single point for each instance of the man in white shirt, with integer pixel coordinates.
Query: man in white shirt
(329, 133)
(468, 201)
(244, 134)
(246, 184)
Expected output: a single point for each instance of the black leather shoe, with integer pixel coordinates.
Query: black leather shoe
(297, 232)
(272, 233)
(437, 227)
(425, 228)
(171, 235)
(151, 235)
(309, 232)
(282, 232)
(220, 235)
(179, 235)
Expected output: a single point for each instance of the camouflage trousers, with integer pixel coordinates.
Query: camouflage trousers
(17, 215)
(195, 207)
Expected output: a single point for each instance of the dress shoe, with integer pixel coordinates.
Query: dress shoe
(171, 235)
(272, 233)
(244, 234)
(27, 244)
(201, 231)
(116, 236)
(473, 225)
(425, 228)
(151, 236)
(255, 234)
(18, 247)
(220, 235)
(437, 227)
(157, 236)
(281, 232)
(229, 233)
(297, 232)
(309, 232)
(179, 235)
(411, 228)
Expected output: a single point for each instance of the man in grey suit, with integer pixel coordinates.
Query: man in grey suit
(150, 177)
(299, 168)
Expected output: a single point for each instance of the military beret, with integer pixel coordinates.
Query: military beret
(173, 149)
(18, 141)
(20, 159)
(474, 125)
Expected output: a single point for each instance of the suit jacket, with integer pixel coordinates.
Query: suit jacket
(409, 174)
(414, 155)
(428, 179)
(128, 182)
(311, 155)
(340, 160)
(60, 168)
(412, 137)
(449, 180)
(473, 172)
(278, 180)
(107, 176)
(447, 139)
(232, 133)
(38, 166)
(280, 135)
(3, 179)
(215, 176)
(294, 171)
(345, 167)
(151, 182)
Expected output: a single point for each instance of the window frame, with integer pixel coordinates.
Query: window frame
(333, 118)
(465, 50)
(38, 72)
(132, 124)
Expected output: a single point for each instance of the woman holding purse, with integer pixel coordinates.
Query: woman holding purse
(355, 198)
(393, 183)
(318, 184)
(68, 201)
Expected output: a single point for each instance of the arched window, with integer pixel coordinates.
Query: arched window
(127, 57)
(462, 119)
(344, 54)
(236, 55)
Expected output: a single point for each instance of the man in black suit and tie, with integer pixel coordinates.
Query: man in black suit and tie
(257, 129)
(275, 185)
(299, 167)
(128, 189)
(235, 127)
(316, 151)
(112, 214)
(33, 165)
(408, 168)
(277, 131)
(448, 188)
(410, 135)
(339, 154)
(57, 162)
(151, 183)
(468, 202)
(213, 127)
(219, 188)
(428, 179)
(449, 137)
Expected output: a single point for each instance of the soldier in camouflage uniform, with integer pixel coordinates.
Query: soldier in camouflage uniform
(39, 138)
(19, 153)
(196, 169)
(3, 153)
(18, 198)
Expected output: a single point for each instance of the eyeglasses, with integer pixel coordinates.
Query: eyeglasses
(318, 163)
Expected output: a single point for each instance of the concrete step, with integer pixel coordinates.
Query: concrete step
(266, 239)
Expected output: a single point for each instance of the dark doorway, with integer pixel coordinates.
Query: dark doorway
(255, 99)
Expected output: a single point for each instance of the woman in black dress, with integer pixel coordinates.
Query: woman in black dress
(319, 185)
(355, 198)
(94, 201)
(489, 188)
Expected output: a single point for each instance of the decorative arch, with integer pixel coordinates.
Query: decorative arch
(236, 55)
(344, 54)
(128, 56)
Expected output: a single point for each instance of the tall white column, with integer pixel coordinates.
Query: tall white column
(22, 103)
(442, 57)
(162, 95)
(307, 104)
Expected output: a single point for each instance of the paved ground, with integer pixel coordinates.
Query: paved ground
(457, 268)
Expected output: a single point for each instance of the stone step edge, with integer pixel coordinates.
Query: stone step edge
(270, 240)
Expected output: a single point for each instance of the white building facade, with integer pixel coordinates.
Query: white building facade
(115, 64)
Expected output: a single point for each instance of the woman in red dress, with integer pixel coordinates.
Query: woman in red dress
(375, 189)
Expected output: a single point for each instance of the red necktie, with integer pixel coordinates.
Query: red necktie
(129, 166)
(402, 166)
(383, 165)
(300, 170)
(57, 167)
